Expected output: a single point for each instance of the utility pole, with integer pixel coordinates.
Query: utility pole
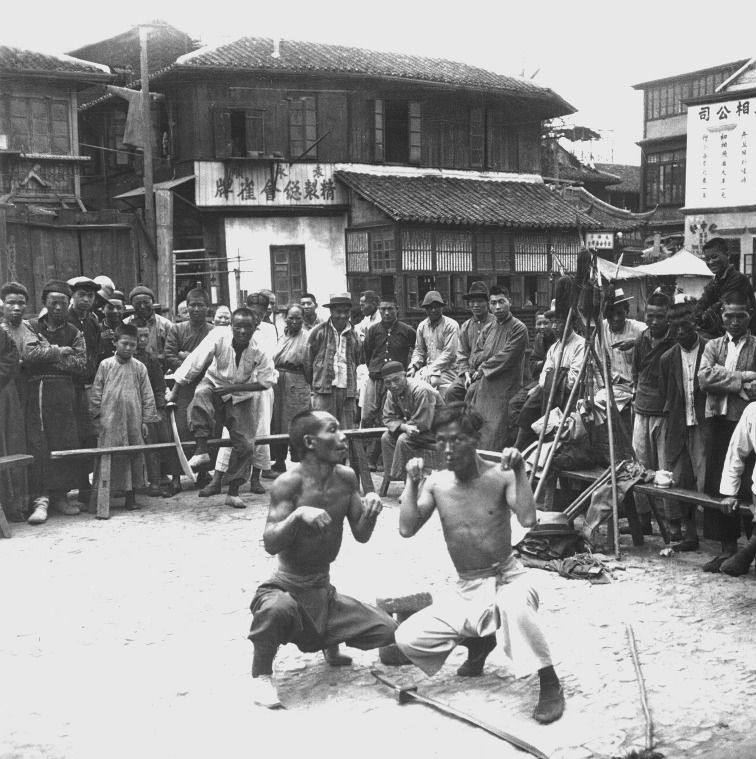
(144, 72)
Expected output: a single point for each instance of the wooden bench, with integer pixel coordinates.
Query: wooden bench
(7, 463)
(680, 495)
(99, 503)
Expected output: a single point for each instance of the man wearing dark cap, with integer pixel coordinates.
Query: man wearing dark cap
(333, 353)
(477, 300)
(83, 292)
(435, 355)
(111, 320)
(408, 414)
(142, 300)
(726, 279)
(51, 410)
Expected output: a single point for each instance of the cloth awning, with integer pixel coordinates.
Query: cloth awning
(680, 264)
(138, 192)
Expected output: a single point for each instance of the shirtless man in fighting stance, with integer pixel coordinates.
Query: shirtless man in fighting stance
(308, 505)
(474, 499)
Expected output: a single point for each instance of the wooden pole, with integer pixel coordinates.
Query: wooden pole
(166, 288)
(144, 73)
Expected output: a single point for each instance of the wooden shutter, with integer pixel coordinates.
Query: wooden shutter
(222, 132)
(516, 291)
(477, 137)
(544, 294)
(379, 148)
(61, 141)
(415, 131)
(254, 132)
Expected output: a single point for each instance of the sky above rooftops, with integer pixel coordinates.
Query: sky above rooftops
(590, 52)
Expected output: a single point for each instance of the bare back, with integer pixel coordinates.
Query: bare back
(475, 515)
(312, 550)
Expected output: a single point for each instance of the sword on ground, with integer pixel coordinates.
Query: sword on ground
(405, 695)
(171, 409)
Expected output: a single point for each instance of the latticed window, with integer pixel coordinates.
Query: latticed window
(357, 251)
(454, 251)
(493, 251)
(417, 250)
(382, 251)
(303, 126)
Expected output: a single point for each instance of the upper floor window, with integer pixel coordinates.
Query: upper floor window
(39, 125)
(665, 100)
(665, 178)
(397, 131)
(303, 126)
(238, 133)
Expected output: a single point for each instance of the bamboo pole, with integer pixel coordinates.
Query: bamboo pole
(552, 390)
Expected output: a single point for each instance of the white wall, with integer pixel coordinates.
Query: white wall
(322, 236)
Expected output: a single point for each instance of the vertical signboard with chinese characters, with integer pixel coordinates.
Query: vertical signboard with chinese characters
(721, 154)
(266, 183)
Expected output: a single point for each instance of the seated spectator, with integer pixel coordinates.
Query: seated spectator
(727, 374)
(122, 405)
(408, 413)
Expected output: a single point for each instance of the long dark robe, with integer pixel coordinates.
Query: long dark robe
(12, 437)
(500, 357)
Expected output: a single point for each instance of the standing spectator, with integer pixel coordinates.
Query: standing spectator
(544, 338)
(685, 438)
(408, 414)
(435, 355)
(12, 438)
(103, 295)
(270, 312)
(142, 300)
(733, 485)
(331, 369)
(122, 405)
(182, 313)
(181, 340)
(310, 316)
(84, 291)
(477, 300)
(620, 334)
(496, 369)
(222, 317)
(292, 393)
(51, 411)
(111, 319)
(727, 371)
(369, 301)
(158, 432)
(388, 340)
(648, 427)
(236, 368)
(726, 279)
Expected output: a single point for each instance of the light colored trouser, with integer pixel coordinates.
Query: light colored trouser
(262, 408)
(648, 438)
(689, 470)
(478, 607)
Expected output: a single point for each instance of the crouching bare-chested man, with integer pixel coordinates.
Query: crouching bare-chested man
(308, 505)
(474, 499)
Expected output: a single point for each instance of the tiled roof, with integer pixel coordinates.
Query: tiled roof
(255, 53)
(14, 59)
(570, 168)
(609, 216)
(438, 199)
(630, 176)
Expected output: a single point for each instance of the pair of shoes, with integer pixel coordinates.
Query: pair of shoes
(212, 488)
(199, 460)
(255, 486)
(715, 563)
(550, 707)
(39, 512)
(62, 506)
(171, 489)
(477, 652)
(335, 658)
(686, 545)
(271, 474)
(154, 490)
(264, 692)
(736, 565)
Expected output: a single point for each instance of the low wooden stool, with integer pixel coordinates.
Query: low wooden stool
(8, 463)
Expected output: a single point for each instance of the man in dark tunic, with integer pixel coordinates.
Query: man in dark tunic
(52, 406)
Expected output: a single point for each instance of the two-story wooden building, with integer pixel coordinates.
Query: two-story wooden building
(321, 167)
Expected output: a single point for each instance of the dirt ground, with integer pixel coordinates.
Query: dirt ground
(127, 638)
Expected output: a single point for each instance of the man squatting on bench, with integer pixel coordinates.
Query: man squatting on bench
(493, 592)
